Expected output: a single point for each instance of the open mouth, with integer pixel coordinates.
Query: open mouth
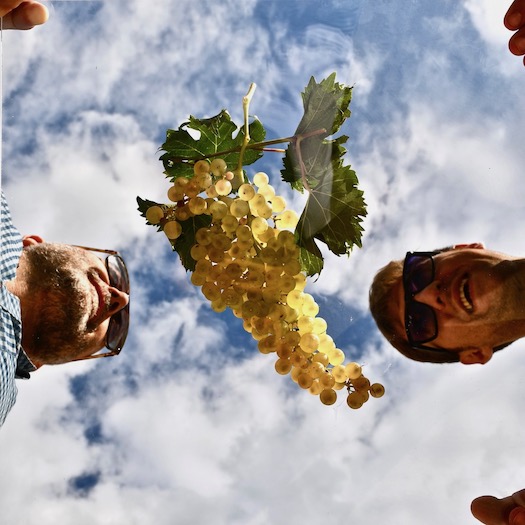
(464, 295)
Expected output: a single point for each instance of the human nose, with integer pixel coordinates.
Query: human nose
(118, 300)
(432, 295)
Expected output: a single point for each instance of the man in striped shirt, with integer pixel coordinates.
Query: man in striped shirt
(58, 303)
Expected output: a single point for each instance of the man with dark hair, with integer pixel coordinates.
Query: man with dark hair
(58, 303)
(461, 303)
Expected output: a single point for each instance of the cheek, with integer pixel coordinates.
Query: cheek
(96, 340)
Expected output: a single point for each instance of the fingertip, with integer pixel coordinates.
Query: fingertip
(37, 14)
(517, 516)
(513, 21)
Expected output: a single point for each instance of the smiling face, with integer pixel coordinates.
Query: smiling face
(477, 295)
(68, 303)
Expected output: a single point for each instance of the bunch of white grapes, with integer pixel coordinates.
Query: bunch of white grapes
(247, 260)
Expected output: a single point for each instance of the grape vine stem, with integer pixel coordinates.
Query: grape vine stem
(246, 111)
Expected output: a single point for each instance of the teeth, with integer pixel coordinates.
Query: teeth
(463, 296)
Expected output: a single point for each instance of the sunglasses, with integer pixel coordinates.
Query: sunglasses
(119, 321)
(420, 319)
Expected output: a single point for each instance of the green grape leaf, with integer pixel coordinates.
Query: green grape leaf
(335, 207)
(311, 257)
(144, 205)
(215, 135)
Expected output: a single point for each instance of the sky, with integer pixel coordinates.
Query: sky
(190, 423)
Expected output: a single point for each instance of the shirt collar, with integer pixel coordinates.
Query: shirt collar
(24, 366)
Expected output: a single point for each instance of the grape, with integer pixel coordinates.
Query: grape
(310, 307)
(336, 356)
(283, 366)
(326, 343)
(247, 260)
(305, 324)
(203, 266)
(218, 167)
(315, 388)
(267, 190)
(197, 205)
(315, 369)
(305, 380)
(239, 208)
(201, 166)
(203, 236)
(203, 180)
(223, 187)
(211, 291)
(353, 370)
(319, 325)
(327, 379)
(295, 299)
(361, 383)
(354, 400)
(260, 179)
(172, 229)
(229, 223)
(176, 193)
(288, 219)
(246, 192)
(328, 396)
(218, 210)
(339, 373)
(198, 252)
(154, 214)
(278, 204)
(259, 225)
(211, 192)
(309, 342)
(197, 279)
(362, 395)
(377, 390)
(321, 358)
(181, 182)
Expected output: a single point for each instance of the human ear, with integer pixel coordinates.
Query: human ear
(472, 356)
(30, 240)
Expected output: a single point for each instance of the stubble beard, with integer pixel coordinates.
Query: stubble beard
(54, 281)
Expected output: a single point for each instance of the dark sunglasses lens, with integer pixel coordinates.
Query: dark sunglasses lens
(418, 272)
(420, 323)
(118, 329)
(119, 322)
(118, 274)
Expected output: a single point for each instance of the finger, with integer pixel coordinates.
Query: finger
(26, 16)
(492, 511)
(8, 5)
(517, 516)
(515, 16)
(517, 42)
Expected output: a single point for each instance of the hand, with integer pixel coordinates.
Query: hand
(517, 516)
(515, 21)
(505, 511)
(22, 14)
